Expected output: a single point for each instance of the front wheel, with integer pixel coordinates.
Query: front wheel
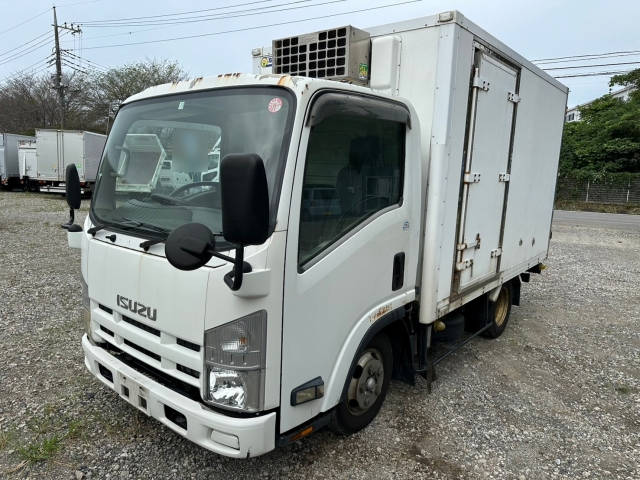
(366, 388)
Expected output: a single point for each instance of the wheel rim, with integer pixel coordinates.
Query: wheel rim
(502, 307)
(366, 383)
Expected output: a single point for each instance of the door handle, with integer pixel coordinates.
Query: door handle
(397, 278)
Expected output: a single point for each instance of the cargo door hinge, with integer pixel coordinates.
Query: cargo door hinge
(464, 246)
(496, 252)
(471, 177)
(513, 97)
(460, 266)
(481, 83)
(504, 177)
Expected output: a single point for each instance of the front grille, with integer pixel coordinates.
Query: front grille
(169, 354)
(148, 353)
(190, 345)
(141, 326)
(188, 371)
(183, 388)
(106, 330)
(106, 309)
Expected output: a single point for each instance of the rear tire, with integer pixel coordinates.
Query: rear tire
(367, 387)
(499, 312)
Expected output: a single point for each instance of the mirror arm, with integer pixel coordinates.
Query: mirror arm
(233, 279)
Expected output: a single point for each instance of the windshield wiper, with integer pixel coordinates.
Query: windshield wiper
(146, 226)
(149, 226)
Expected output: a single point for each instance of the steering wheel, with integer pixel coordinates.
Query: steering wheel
(171, 198)
(191, 185)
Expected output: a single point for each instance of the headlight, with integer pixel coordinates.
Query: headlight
(235, 363)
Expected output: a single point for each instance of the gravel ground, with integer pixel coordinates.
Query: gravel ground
(557, 396)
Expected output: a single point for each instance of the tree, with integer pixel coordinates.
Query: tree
(28, 102)
(117, 84)
(607, 137)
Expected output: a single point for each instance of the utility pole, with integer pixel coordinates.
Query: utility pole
(58, 85)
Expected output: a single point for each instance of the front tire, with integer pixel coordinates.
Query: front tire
(367, 387)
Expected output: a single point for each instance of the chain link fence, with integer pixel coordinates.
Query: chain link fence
(617, 191)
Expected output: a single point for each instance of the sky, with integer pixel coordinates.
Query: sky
(535, 29)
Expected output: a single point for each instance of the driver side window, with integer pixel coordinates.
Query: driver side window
(354, 169)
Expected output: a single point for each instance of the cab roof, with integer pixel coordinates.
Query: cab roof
(219, 81)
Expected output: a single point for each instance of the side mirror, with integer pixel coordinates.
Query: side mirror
(73, 195)
(244, 197)
(192, 245)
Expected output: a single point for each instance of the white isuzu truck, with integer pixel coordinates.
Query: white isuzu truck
(380, 198)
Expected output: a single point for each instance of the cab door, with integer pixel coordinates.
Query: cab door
(350, 220)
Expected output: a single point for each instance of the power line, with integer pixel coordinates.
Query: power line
(22, 53)
(543, 60)
(26, 21)
(38, 64)
(25, 43)
(256, 27)
(593, 57)
(209, 18)
(593, 74)
(176, 13)
(591, 66)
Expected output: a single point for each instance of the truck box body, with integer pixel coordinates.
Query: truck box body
(27, 162)
(506, 144)
(420, 183)
(55, 149)
(9, 156)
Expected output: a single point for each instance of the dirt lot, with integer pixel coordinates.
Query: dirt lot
(557, 396)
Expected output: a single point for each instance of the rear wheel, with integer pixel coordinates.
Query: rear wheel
(499, 312)
(366, 388)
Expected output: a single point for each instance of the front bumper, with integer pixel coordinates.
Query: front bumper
(229, 436)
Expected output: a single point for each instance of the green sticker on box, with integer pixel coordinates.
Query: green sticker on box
(363, 71)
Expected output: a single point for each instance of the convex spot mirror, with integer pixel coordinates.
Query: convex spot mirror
(189, 246)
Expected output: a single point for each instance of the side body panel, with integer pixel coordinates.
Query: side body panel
(534, 166)
(72, 144)
(9, 164)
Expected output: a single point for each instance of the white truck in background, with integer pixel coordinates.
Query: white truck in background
(55, 149)
(27, 164)
(9, 164)
(240, 321)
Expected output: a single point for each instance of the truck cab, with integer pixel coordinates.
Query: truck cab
(248, 308)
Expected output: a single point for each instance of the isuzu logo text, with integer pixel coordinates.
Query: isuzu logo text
(136, 307)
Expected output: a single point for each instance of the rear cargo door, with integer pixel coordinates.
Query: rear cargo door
(491, 116)
(47, 155)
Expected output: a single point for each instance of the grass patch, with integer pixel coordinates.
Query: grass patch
(40, 451)
(5, 439)
(624, 389)
(50, 431)
(597, 207)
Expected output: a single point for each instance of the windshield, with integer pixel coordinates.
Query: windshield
(160, 167)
